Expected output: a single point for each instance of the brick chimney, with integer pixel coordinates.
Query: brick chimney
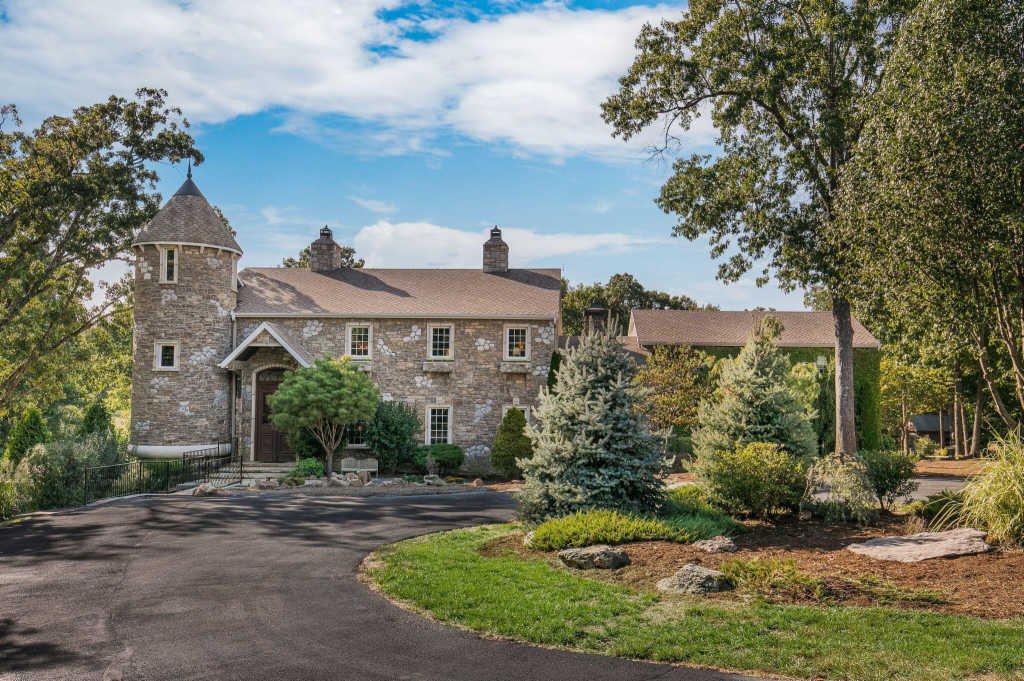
(324, 253)
(495, 253)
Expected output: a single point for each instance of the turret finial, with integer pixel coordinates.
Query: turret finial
(189, 169)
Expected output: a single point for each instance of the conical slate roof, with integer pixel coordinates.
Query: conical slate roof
(188, 218)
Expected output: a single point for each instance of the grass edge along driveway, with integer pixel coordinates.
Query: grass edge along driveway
(530, 600)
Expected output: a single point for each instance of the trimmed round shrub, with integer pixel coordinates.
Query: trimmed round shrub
(890, 474)
(838, 489)
(760, 479)
(442, 459)
(307, 468)
(391, 434)
(511, 444)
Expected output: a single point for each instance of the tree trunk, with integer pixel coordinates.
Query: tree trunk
(846, 431)
(942, 432)
(976, 426)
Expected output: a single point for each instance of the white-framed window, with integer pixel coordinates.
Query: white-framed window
(168, 265)
(165, 355)
(517, 342)
(520, 407)
(359, 341)
(439, 425)
(441, 341)
(355, 435)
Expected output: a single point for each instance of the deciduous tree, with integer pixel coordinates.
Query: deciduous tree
(73, 192)
(324, 399)
(783, 83)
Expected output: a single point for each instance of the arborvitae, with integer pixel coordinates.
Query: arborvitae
(510, 444)
(591, 449)
(754, 402)
(96, 419)
(28, 432)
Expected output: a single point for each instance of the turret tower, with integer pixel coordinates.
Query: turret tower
(186, 287)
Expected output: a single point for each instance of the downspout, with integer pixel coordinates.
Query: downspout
(234, 387)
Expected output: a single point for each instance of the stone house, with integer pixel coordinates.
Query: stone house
(461, 346)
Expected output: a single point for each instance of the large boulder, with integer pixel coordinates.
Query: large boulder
(314, 482)
(719, 544)
(924, 546)
(267, 484)
(599, 556)
(434, 480)
(694, 579)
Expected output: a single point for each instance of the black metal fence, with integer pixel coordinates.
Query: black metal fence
(217, 467)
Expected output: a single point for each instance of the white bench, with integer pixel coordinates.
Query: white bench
(350, 464)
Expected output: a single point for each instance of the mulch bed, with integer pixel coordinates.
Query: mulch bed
(988, 585)
(949, 468)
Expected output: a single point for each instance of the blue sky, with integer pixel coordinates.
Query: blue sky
(409, 128)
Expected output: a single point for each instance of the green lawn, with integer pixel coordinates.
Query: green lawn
(530, 600)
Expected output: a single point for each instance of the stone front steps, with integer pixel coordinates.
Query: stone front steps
(254, 471)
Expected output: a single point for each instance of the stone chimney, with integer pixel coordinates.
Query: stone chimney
(495, 253)
(324, 253)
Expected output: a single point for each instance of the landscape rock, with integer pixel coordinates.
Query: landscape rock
(477, 483)
(719, 544)
(599, 556)
(528, 539)
(924, 546)
(267, 484)
(694, 579)
(434, 480)
(338, 481)
(315, 482)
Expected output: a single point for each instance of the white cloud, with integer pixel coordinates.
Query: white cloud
(602, 206)
(531, 79)
(424, 244)
(373, 205)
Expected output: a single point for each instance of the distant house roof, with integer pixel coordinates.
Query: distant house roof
(423, 293)
(712, 328)
(188, 218)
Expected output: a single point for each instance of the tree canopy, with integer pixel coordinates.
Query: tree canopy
(934, 202)
(783, 83)
(73, 192)
(348, 258)
(621, 294)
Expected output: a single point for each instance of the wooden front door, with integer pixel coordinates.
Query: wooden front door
(271, 446)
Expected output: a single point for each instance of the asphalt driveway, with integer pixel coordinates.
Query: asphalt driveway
(248, 588)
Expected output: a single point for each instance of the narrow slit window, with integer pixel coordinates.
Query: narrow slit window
(168, 265)
(441, 342)
(439, 425)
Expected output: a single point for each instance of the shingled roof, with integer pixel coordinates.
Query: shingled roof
(423, 293)
(711, 328)
(188, 218)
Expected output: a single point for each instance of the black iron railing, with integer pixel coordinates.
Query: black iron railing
(219, 467)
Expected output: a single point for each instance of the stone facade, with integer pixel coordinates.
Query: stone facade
(476, 384)
(187, 406)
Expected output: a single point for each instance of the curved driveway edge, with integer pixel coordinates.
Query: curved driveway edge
(250, 588)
